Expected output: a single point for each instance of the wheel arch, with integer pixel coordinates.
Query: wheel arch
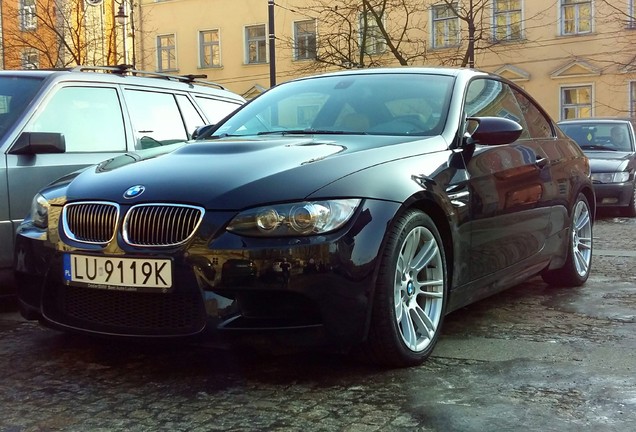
(429, 205)
(591, 200)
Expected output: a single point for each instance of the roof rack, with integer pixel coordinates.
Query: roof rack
(125, 69)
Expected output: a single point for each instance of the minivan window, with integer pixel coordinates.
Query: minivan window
(15, 95)
(90, 119)
(215, 109)
(191, 116)
(155, 118)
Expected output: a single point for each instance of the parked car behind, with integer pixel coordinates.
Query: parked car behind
(610, 144)
(420, 190)
(55, 122)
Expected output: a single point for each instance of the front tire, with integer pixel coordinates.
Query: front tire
(579, 260)
(630, 210)
(411, 293)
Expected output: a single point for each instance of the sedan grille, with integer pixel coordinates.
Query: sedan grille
(90, 222)
(161, 224)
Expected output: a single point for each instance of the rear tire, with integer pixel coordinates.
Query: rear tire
(577, 266)
(411, 293)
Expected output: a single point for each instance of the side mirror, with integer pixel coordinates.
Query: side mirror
(201, 131)
(39, 142)
(493, 131)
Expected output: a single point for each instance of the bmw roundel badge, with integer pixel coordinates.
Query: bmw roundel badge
(134, 192)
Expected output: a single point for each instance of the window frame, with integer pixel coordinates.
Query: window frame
(372, 36)
(28, 15)
(508, 14)
(203, 45)
(306, 36)
(258, 41)
(576, 4)
(29, 59)
(448, 42)
(632, 98)
(577, 106)
(168, 49)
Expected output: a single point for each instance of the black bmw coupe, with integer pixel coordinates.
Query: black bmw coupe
(357, 208)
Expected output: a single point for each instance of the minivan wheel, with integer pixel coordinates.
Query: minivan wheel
(411, 293)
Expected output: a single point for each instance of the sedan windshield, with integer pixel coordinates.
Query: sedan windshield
(375, 104)
(610, 136)
(15, 95)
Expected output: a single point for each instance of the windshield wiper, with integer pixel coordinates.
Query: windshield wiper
(597, 147)
(310, 132)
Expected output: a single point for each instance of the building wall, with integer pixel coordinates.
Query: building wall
(544, 61)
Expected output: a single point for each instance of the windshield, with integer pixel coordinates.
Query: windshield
(15, 95)
(610, 136)
(377, 104)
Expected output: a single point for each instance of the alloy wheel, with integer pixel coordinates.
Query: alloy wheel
(419, 289)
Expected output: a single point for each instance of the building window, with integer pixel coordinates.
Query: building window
(445, 26)
(255, 46)
(507, 20)
(30, 60)
(305, 40)
(631, 11)
(576, 17)
(166, 53)
(372, 38)
(28, 18)
(576, 102)
(209, 49)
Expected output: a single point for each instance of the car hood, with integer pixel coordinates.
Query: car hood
(607, 161)
(232, 174)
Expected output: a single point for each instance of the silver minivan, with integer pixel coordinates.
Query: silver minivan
(53, 122)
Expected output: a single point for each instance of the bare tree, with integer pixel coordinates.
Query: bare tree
(365, 33)
(61, 32)
(369, 33)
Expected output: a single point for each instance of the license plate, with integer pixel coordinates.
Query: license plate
(118, 273)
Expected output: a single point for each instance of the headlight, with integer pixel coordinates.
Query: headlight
(616, 177)
(301, 218)
(40, 211)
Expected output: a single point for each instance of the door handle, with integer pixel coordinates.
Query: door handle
(541, 162)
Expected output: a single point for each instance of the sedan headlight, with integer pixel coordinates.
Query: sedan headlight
(40, 211)
(293, 219)
(615, 177)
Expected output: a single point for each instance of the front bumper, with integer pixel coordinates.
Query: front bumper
(331, 297)
(613, 194)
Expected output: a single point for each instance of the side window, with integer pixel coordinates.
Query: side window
(538, 125)
(89, 117)
(155, 118)
(492, 98)
(191, 116)
(215, 109)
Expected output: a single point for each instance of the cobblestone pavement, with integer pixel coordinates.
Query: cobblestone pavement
(532, 358)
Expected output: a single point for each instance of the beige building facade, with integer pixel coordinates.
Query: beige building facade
(576, 57)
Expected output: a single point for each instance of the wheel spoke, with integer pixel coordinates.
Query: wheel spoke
(408, 330)
(585, 242)
(581, 262)
(410, 248)
(423, 322)
(424, 256)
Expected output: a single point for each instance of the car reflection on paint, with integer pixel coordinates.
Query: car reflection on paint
(372, 202)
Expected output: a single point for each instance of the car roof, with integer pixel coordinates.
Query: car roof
(599, 120)
(449, 71)
(127, 75)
